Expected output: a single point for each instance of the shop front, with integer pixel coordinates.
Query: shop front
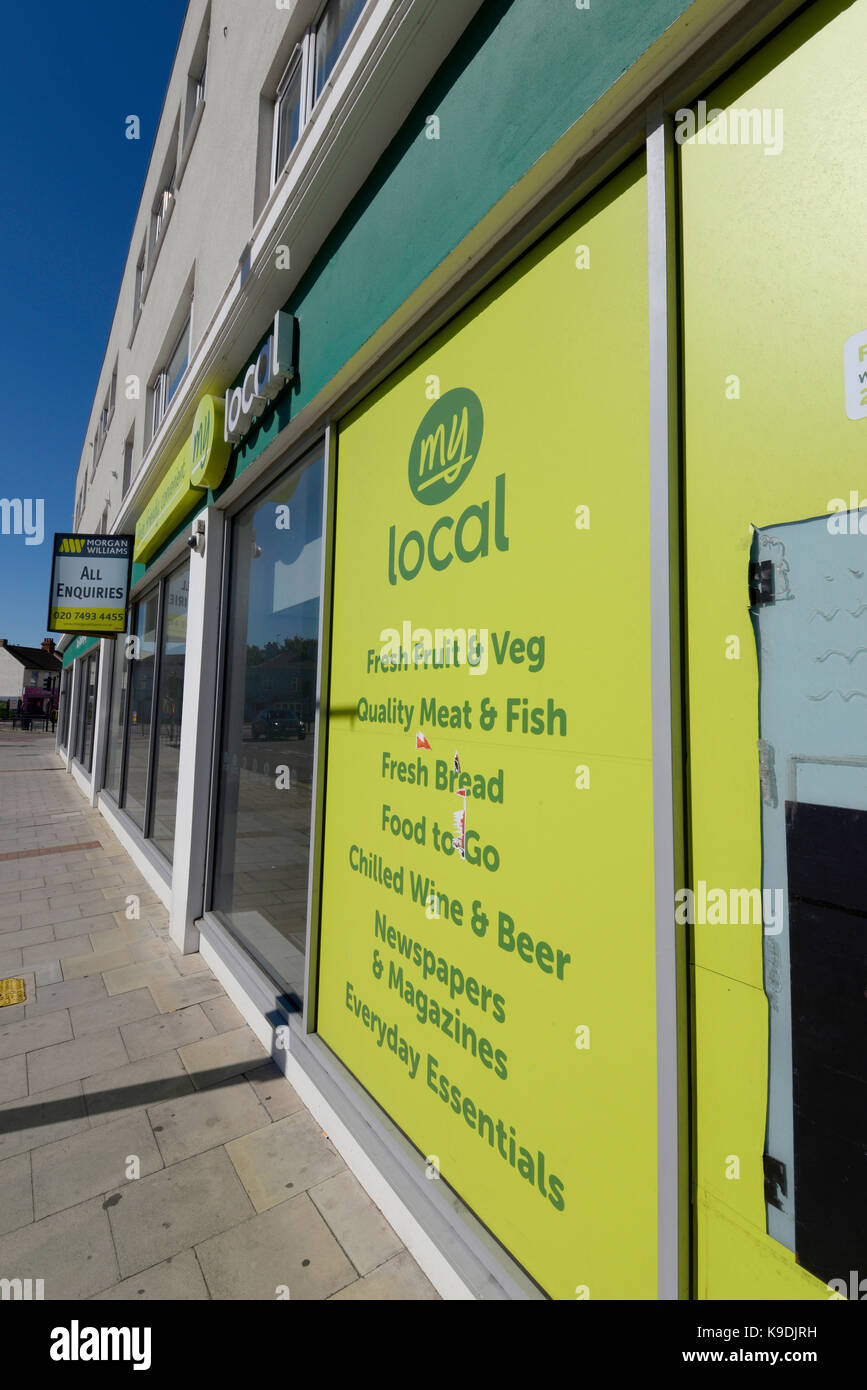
(440, 694)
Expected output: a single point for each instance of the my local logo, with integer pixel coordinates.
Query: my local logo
(446, 446)
(264, 379)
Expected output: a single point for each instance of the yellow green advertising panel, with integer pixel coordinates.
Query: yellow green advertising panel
(487, 944)
(199, 465)
(775, 352)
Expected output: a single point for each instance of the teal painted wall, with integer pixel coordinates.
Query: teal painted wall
(521, 75)
(523, 72)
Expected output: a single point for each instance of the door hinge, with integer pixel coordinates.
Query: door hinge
(761, 583)
(776, 1186)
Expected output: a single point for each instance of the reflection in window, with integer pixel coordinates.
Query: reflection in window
(86, 702)
(169, 706)
(141, 680)
(63, 709)
(116, 711)
(288, 116)
(262, 845)
(332, 33)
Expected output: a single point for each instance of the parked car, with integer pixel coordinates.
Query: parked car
(278, 723)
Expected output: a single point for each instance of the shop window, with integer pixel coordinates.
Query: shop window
(141, 686)
(266, 741)
(170, 702)
(82, 748)
(63, 709)
(145, 712)
(116, 718)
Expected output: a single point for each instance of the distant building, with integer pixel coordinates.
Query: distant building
(28, 667)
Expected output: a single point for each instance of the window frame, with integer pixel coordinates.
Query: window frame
(303, 55)
(160, 588)
(159, 387)
(298, 61)
(323, 445)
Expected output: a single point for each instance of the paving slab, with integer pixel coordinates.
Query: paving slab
(174, 1209)
(54, 950)
(13, 1076)
(289, 1247)
(274, 1091)
(10, 961)
(222, 1012)
(398, 1281)
(31, 936)
(135, 1087)
(72, 1252)
(48, 974)
(140, 975)
(30, 1033)
(72, 1061)
(114, 937)
(154, 949)
(183, 991)
(16, 1193)
(174, 1280)
(94, 1161)
(79, 967)
(84, 925)
(112, 1011)
(357, 1223)
(51, 998)
(221, 1056)
(288, 1157)
(197, 1122)
(163, 1031)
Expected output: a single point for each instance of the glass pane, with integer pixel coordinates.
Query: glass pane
(117, 709)
(169, 706)
(269, 719)
(141, 683)
(63, 708)
(334, 29)
(178, 364)
(289, 118)
(90, 710)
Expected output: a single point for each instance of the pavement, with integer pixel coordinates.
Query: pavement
(150, 1148)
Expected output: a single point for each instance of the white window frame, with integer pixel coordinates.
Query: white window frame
(140, 272)
(300, 59)
(304, 53)
(161, 211)
(159, 389)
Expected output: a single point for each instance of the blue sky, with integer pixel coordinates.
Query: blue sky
(72, 183)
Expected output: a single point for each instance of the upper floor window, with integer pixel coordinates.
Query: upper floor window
(168, 378)
(200, 82)
(288, 118)
(127, 463)
(161, 207)
(308, 71)
(335, 25)
(139, 282)
(105, 417)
